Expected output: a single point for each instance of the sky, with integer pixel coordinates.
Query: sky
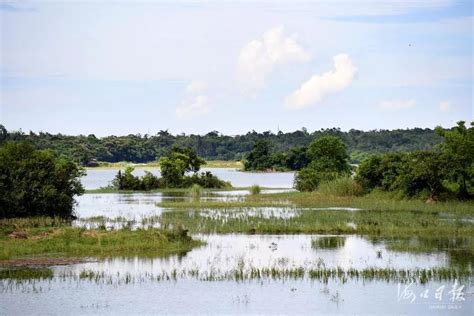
(129, 67)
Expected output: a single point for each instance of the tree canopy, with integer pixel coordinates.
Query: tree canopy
(37, 182)
(215, 146)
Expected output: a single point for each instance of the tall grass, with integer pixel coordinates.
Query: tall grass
(255, 189)
(195, 192)
(342, 186)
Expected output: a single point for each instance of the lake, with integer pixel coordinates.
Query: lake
(97, 178)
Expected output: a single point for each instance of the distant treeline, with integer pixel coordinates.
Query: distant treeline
(215, 146)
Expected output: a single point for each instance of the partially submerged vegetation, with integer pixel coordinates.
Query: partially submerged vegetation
(397, 224)
(239, 274)
(55, 238)
(174, 167)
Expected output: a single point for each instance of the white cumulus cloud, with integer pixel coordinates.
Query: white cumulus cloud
(445, 106)
(318, 86)
(259, 57)
(194, 102)
(393, 105)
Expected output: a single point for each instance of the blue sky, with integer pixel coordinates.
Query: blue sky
(82, 67)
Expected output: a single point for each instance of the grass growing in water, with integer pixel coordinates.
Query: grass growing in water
(380, 223)
(17, 239)
(255, 189)
(195, 192)
(26, 273)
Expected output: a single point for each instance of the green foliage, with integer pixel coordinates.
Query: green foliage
(195, 192)
(341, 186)
(459, 147)
(148, 148)
(426, 174)
(423, 174)
(260, 156)
(297, 158)
(328, 158)
(36, 182)
(174, 167)
(255, 189)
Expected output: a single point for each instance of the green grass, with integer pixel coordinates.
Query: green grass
(342, 186)
(155, 164)
(195, 192)
(380, 223)
(255, 189)
(33, 237)
(26, 273)
(376, 201)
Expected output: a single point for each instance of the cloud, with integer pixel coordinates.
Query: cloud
(393, 105)
(318, 86)
(444, 106)
(259, 57)
(195, 102)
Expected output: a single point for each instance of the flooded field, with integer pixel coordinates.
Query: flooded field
(247, 272)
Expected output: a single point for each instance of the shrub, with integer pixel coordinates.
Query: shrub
(255, 189)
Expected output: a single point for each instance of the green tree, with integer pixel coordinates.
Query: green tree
(328, 161)
(37, 182)
(259, 157)
(424, 171)
(458, 146)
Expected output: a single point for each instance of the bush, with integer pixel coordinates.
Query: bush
(37, 182)
(255, 189)
(328, 162)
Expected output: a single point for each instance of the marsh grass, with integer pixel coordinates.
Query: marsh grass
(375, 201)
(237, 274)
(195, 192)
(255, 189)
(342, 186)
(398, 223)
(26, 273)
(17, 239)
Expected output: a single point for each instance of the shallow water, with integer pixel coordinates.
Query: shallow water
(268, 297)
(139, 293)
(97, 178)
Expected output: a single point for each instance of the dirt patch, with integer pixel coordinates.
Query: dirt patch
(44, 261)
(18, 235)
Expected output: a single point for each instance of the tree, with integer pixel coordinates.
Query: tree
(192, 160)
(424, 171)
(328, 161)
(259, 157)
(37, 182)
(328, 153)
(459, 147)
(173, 169)
(297, 158)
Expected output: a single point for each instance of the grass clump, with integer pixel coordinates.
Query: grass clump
(255, 189)
(342, 186)
(195, 192)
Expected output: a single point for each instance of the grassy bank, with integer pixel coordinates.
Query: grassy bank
(55, 238)
(155, 164)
